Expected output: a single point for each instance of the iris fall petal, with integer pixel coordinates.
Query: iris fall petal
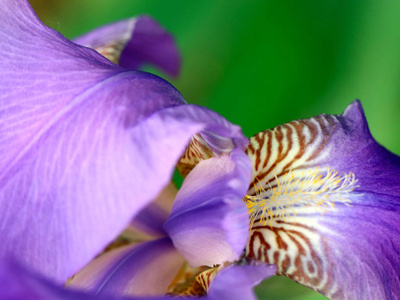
(332, 206)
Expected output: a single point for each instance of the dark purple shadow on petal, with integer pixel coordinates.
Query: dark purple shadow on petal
(365, 252)
(143, 41)
(209, 221)
(355, 150)
(151, 220)
(236, 282)
(150, 43)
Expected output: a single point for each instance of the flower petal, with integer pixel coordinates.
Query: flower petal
(137, 270)
(16, 282)
(151, 219)
(237, 281)
(209, 222)
(333, 229)
(134, 42)
(80, 144)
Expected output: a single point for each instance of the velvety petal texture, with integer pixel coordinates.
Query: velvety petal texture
(234, 282)
(209, 221)
(143, 269)
(134, 42)
(84, 144)
(325, 202)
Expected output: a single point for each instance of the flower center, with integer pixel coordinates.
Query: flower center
(296, 192)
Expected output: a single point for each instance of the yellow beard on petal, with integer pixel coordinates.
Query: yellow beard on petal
(309, 191)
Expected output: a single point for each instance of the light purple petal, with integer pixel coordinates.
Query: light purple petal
(16, 282)
(137, 270)
(236, 282)
(341, 235)
(82, 149)
(209, 221)
(134, 42)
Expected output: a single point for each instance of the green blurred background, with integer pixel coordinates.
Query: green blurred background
(263, 63)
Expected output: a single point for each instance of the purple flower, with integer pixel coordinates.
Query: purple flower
(324, 200)
(208, 220)
(207, 226)
(86, 144)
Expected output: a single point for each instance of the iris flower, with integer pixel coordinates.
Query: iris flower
(86, 145)
(324, 205)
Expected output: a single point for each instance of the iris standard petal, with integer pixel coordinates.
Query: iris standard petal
(209, 221)
(325, 206)
(236, 282)
(145, 269)
(78, 158)
(134, 42)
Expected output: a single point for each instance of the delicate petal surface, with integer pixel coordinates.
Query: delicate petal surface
(236, 282)
(209, 221)
(137, 270)
(80, 144)
(334, 229)
(134, 42)
(16, 282)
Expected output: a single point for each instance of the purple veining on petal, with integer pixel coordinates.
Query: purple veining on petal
(209, 221)
(81, 143)
(357, 232)
(137, 41)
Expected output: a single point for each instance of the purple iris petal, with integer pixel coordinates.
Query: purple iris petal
(85, 144)
(138, 270)
(209, 221)
(135, 42)
(343, 190)
(235, 282)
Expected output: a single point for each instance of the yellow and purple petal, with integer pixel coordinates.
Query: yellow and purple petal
(325, 206)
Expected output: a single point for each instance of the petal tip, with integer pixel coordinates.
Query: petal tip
(355, 116)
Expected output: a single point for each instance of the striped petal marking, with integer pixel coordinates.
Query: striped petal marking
(111, 44)
(197, 150)
(290, 182)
